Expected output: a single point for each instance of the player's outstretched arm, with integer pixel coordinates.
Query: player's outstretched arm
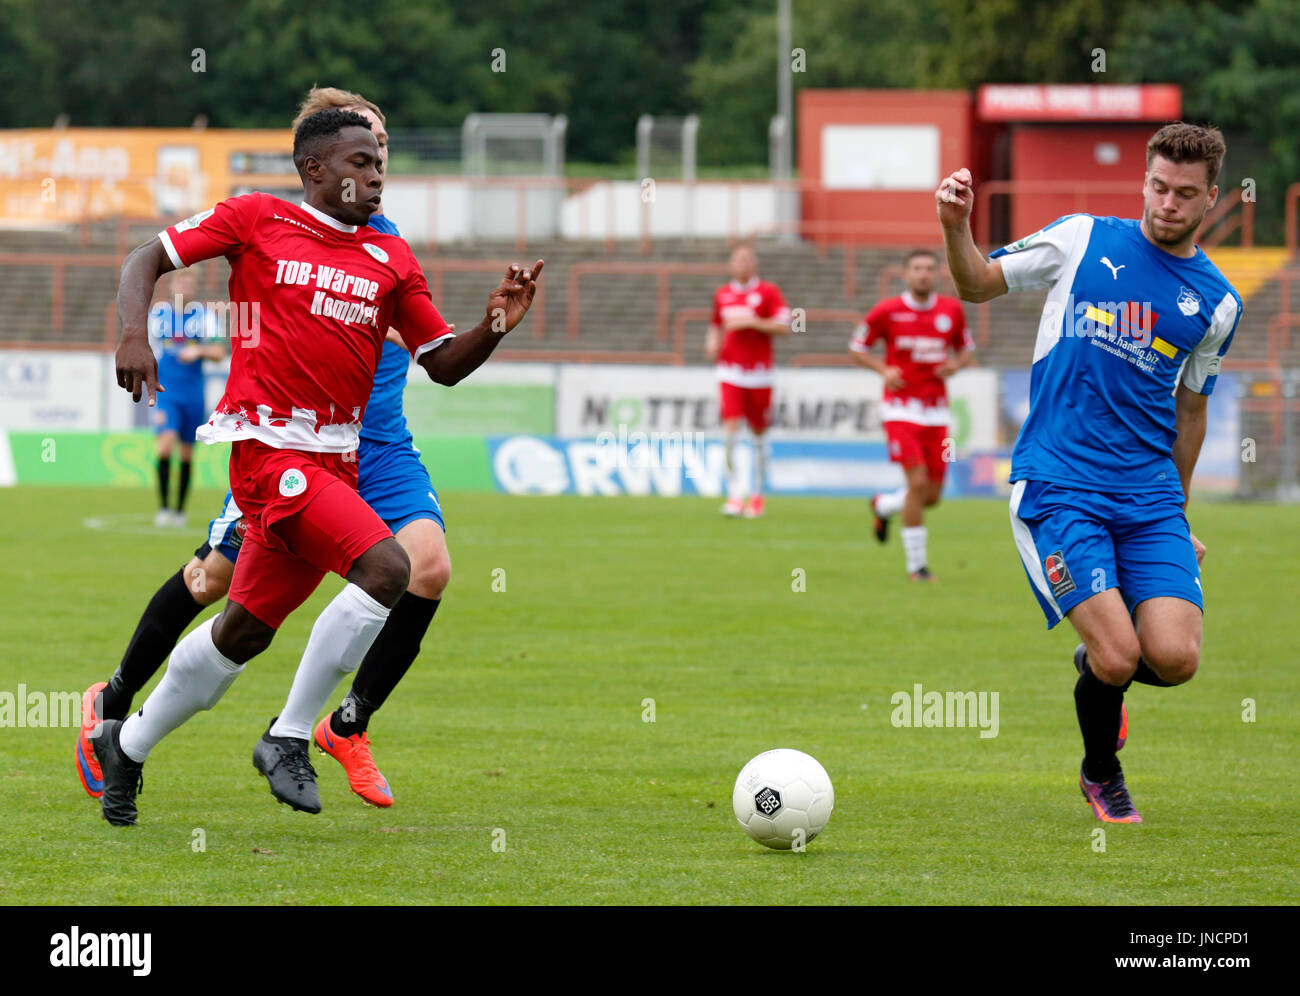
(137, 368)
(977, 279)
(506, 307)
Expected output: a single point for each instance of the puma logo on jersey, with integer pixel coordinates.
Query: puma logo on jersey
(1114, 270)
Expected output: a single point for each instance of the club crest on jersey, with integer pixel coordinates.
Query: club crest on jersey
(375, 251)
(942, 323)
(292, 482)
(753, 299)
(194, 220)
(1058, 575)
(1188, 301)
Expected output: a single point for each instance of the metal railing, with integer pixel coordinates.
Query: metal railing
(1234, 215)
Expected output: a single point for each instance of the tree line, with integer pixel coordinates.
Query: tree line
(429, 63)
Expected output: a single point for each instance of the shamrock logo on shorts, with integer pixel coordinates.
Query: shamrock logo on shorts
(292, 482)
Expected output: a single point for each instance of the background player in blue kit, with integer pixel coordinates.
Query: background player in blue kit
(184, 335)
(394, 482)
(1132, 337)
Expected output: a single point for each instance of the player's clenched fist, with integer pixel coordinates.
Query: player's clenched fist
(955, 197)
(511, 299)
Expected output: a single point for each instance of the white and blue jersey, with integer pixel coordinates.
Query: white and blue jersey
(383, 421)
(1097, 502)
(1123, 320)
(181, 407)
(391, 478)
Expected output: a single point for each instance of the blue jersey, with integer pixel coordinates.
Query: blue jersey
(383, 421)
(1123, 323)
(171, 333)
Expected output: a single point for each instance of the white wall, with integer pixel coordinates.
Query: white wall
(67, 390)
(450, 209)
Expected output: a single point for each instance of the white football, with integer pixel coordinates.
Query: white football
(783, 799)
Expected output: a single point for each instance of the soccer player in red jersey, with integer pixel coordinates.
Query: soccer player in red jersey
(747, 313)
(315, 293)
(925, 342)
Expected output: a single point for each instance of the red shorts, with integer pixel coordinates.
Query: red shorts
(305, 519)
(911, 444)
(754, 404)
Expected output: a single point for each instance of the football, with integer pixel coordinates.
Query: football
(783, 799)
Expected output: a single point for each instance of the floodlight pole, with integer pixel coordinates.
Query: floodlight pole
(781, 129)
(784, 87)
(644, 126)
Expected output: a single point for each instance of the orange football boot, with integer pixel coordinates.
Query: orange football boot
(88, 769)
(354, 754)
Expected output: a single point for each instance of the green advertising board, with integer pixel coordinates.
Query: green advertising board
(480, 409)
(126, 459)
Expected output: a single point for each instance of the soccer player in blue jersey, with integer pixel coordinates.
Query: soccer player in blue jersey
(182, 331)
(1133, 334)
(394, 482)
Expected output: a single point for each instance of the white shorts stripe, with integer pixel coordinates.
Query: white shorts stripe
(731, 373)
(1028, 552)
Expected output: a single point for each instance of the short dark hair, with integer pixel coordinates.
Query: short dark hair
(920, 252)
(1188, 143)
(316, 128)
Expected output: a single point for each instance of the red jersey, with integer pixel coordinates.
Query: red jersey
(917, 339)
(311, 299)
(746, 355)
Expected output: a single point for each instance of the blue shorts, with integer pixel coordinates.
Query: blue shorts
(181, 413)
(1075, 544)
(393, 482)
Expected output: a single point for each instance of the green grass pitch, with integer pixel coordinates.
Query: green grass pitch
(522, 723)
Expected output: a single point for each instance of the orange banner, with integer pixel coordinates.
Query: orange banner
(55, 176)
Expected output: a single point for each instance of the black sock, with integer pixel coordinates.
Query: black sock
(171, 609)
(1145, 676)
(1098, 706)
(183, 487)
(164, 480)
(389, 658)
(352, 716)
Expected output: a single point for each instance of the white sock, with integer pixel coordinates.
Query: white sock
(735, 490)
(890, 503)
(341, 636)
(914, 547)
(760, 464)
(197, 675)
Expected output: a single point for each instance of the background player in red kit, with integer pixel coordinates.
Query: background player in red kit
(326, 289)
(925, 341)
(747, 312)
